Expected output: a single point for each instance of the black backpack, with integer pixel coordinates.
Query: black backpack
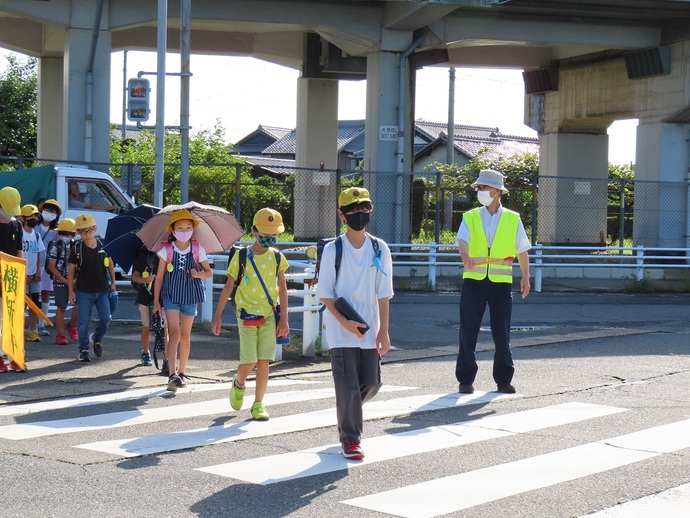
(59, 245)
(242, 250)
(150, 263)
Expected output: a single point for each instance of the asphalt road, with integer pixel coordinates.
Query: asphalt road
(591, 370)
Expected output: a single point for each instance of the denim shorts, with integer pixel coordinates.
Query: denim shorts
(188, 310)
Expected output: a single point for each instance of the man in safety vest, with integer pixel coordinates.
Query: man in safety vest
(489, 238)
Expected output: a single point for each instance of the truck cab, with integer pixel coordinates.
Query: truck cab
(82, 190)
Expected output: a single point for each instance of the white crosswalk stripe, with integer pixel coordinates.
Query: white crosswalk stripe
(279, 468)
(293, 423)
(473, 488)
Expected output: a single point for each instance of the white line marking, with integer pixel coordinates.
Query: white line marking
(293, 423)
(325, 459)
(465, 490)
(30, 408)
(148, 415)
(672, 502)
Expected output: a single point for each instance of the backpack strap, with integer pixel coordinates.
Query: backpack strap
(167, 245)
(338, 255)
(195, 252)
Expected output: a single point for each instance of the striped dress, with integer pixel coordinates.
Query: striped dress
(178, 286)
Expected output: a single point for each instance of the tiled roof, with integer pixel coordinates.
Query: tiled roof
(287, 145)
(434, 130)
(281, 166)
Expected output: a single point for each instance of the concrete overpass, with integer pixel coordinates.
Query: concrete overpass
(587, 63)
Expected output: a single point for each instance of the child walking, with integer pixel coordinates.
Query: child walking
(182, 266)
(263, 284)
(57, 266)
(50, 213)
(32, 245)
(94, 272)
(364, 280)
(143, 276)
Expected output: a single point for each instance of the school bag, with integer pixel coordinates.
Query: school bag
(150, 262)
(168, 246)
(59, 245)
(321, 244)
(242, 250)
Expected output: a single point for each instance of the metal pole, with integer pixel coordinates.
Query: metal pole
(124, 97)
(160, 103)
(185, 44)
(450, 150)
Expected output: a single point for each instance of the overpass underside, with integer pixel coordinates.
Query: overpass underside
(585, 66)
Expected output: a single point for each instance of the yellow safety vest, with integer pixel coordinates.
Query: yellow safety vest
(502, 247)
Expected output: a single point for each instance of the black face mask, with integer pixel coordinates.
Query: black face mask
(32, 222)
(357, 221)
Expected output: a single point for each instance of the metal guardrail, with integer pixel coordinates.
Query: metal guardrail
(437, 257)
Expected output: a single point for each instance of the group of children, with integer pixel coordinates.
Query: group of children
(170, 283)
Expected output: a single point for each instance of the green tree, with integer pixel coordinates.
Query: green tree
(18, 109)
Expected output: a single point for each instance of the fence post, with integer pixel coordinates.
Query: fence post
(338, 188)
(437, 213)
(621, 223)
(433, 248)
(535, 192)
(538, 251)
(639, 275)
(310, 322)
(207, 305)
(238, 190)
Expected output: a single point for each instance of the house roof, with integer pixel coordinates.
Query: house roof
(278, 166)
(347, 131)
(259, 139)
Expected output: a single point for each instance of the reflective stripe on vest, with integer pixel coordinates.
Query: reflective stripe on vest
(503, 246)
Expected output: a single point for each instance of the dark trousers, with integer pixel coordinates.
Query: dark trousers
(473, 301)
(357, 379)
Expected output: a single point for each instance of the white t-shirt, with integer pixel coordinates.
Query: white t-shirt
(360, 283)
(32, 246)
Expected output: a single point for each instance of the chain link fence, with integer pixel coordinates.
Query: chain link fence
(421, 207)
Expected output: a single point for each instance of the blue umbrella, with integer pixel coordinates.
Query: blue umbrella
(121, 242)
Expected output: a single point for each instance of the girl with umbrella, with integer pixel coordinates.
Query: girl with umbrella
(182, 266)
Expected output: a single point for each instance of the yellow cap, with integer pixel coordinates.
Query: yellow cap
(268, 221)
(179, 215)
(85, 221)
(353, 195)
(52, 202)
(29, 210)
(10, 200)
(67, 225)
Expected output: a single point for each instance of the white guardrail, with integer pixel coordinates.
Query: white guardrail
(436, 260)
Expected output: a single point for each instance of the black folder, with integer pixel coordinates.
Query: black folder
(349, 312)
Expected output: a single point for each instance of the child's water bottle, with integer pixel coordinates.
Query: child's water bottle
(283, 340)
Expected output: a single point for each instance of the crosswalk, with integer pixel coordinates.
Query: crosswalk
(118, 435)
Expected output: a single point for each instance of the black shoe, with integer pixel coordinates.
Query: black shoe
(97, 347)
(174, 382)
(165, 370)
(84, 355)
(506, 388)
(183, 380)
(466, 389)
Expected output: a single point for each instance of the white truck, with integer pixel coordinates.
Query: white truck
(76, 188)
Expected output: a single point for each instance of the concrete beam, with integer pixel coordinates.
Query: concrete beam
(57, 13)
(414, 15)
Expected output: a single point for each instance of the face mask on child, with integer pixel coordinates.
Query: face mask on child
(48, 216)
(266, 241)
(31, 223)
(183, 235)
(357, 221)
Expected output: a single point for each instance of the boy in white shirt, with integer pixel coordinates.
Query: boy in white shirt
(32, 246)
(364, 279)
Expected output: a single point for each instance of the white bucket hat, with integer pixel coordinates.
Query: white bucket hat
(491, 178)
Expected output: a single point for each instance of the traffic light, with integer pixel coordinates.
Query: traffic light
(138, 91)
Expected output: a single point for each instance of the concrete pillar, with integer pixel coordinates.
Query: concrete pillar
(50, 113)
(661, 185)
(86, 138)
(317, 144)
(388, 183)
(573, 172)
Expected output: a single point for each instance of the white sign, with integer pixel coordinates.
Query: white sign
(388, 133)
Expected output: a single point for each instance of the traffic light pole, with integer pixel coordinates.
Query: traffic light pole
(160, 103)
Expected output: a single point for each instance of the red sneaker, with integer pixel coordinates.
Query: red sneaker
(61, 339)
(72, 330)
(352, 450)
(3, 366)
(15, 367)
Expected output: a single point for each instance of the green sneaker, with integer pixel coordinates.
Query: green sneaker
(259, 411)
(236, 395)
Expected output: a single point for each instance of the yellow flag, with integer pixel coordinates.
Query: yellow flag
(13, 270)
